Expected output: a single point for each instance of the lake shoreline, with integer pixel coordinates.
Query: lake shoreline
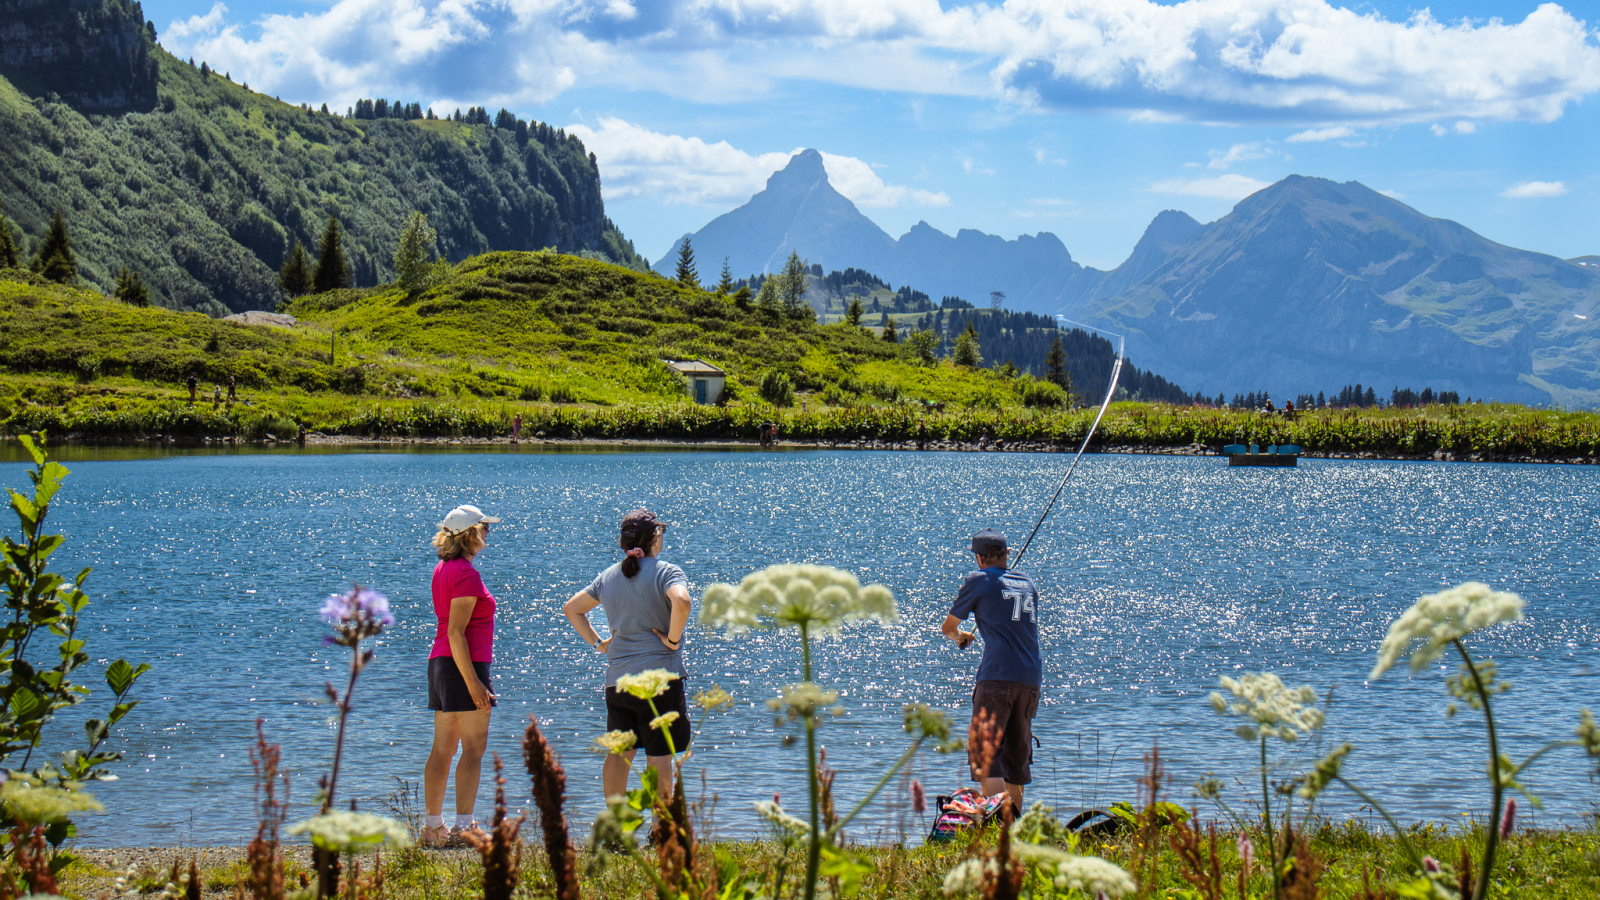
(321, 440)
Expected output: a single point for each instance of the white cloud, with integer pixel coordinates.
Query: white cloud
(1042, 156)
(1222, 159)
(1438, 130)
(1393, 195)
(1223, 187)
(636, 161)
(1465, 127)
(1334, 133)
(1208, 60)
(1528, 189)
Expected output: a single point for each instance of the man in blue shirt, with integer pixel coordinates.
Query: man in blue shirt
(1005, 604)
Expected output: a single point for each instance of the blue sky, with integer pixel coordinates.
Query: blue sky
(1083, 118)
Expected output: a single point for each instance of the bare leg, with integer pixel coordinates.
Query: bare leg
(436, 774)
(992, 786)
(614, 774)
(667, 779)
(474, 730)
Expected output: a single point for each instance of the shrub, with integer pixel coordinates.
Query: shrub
(775, 388)
(1041, 394)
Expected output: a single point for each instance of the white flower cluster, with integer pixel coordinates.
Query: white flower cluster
(714, 699)
(803, 701)
(647, 685)
(618, 742)
(785, 823)
(44, 804)
(1444, 617)
(795, 595)
(1274, 708)
(352, 832)
(1094, 876)
(967, 876)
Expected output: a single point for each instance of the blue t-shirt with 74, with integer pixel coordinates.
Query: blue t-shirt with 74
(1005, 605)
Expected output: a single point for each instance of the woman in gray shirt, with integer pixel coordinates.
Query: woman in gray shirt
(647, 606)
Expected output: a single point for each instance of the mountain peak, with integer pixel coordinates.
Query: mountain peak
(804, 171)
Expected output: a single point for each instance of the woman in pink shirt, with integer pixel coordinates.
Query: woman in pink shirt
(458, 672)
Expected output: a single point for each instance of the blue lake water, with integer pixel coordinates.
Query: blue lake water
(1156, 575)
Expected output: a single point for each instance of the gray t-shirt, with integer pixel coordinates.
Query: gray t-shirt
(634, 606)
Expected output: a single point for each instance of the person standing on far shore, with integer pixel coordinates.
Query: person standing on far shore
(647, 605)
(1005, 605)
(458, 672)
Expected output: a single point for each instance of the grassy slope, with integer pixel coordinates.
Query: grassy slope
(206, 194)
(509, 333)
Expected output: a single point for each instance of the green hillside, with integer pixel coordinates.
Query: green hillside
(205, 194)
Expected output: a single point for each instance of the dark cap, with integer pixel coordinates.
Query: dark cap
(641, 521)
(988, 542)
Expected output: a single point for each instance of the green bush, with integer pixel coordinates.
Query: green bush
(1043, 394)
(776, 389)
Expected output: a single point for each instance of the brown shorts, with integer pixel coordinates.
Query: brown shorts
(1012, 707)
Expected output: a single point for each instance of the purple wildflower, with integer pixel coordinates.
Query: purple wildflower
(1508, 821)
(356, 616)
(1247, 851)
(1431, 865)
(919, 798)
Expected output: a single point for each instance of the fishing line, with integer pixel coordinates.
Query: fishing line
(1116, 370)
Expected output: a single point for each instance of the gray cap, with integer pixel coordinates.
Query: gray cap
(988, 542)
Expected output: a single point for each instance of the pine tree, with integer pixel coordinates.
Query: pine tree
(852, 313)
(889, 334)
(1055, 365)
(333, 268)
(792, 283)
(741, 297)
(411, 255)
(131, 289)
(10, 255)
(966, 351)
(687, 276)
(294, 278)
(725, 286)
(55, 260)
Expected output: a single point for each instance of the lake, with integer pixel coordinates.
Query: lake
(1157, 574)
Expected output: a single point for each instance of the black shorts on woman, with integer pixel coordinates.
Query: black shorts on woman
(447, 690)
(625, 712)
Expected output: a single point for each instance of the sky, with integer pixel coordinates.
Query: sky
(1084, 118)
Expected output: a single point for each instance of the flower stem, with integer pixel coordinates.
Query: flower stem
(344, 719)
(814, 850)
(1266, 808)
(1498, 789)
(1400, 833)
(904, 758)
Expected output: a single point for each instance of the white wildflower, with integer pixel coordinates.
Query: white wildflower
(967, 876)
(1444, 617)
(646, 685)
(352, 832)
(1324, 773)
(617, 742)
(804, 701)
(818, 597)
(1273, 708)
(42, 805)
(785, 823)
(661, 722)
(1094, 876)
(713, 700)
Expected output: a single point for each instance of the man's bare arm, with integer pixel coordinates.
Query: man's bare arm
(952, 630)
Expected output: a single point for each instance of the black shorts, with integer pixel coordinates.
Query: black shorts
(1013, 706)
(625, 712)
(447, 690)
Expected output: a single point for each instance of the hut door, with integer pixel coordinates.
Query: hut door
(699, 390)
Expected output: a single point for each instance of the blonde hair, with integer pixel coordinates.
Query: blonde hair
(456, 544)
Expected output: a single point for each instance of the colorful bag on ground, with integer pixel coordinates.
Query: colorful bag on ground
(962, 810)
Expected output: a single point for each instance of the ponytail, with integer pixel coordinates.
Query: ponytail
(636, 542)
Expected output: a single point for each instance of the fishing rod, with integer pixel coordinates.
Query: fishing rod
(1116, 370)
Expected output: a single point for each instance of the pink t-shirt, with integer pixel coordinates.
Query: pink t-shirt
(457, 578)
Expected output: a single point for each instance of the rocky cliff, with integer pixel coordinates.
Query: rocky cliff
(94, 55)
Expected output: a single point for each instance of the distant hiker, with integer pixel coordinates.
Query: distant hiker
(922, 435)
(647, 607)
(1288, 408)
(194, 384)
(459, 691)
(1005, 605)
(300, 433)
(983, 439)
(216, 395)
(1269, 405)
(516, 430)
(233, 386)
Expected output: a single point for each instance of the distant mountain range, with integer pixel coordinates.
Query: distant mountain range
(1306, 285)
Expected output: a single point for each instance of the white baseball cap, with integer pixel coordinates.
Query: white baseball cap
(463, 517)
